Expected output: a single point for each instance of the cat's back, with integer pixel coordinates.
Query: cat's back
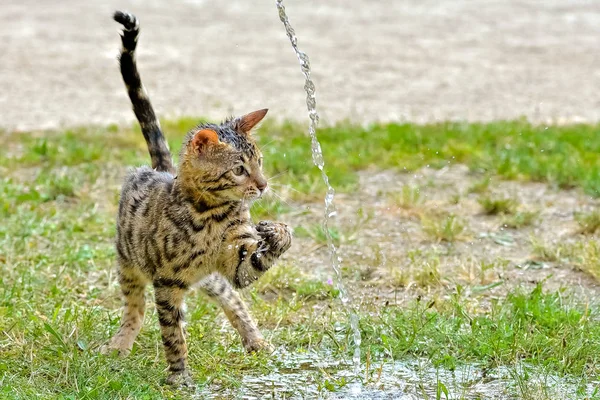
(144, 189)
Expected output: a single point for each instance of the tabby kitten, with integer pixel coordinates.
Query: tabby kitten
(176, 228)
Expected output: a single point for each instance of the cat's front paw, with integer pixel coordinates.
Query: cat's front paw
(277, 235)
(111, 349)
(180, 379)
(258, 345)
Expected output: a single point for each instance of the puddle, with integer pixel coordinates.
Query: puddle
(313, 376)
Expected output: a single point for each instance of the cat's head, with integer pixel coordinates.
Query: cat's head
(223, 161)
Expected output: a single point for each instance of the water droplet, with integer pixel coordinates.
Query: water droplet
(356, 388)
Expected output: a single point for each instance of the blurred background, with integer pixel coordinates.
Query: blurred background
(372, 60)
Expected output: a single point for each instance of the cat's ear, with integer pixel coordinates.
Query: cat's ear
(204, 138)
(247, 122)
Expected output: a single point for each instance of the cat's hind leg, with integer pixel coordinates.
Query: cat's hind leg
(219, 289)
(133, 284)
(169, 295)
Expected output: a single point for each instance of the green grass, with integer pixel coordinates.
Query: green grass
(59, 299)
(481, 186)
(520, 219)
(318, 233)
(536, 327)
(498, 205)
(563, 155)
(589, 223)
(443, 228)
(269, 208)
(407, 198)
(586, 256)
(422, 270)
(289, 281)
(582, 254)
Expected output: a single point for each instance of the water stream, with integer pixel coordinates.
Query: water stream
(330, 211)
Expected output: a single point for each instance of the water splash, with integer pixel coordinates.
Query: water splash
(317, 157)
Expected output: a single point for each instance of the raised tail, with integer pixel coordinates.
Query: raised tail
(157, 145)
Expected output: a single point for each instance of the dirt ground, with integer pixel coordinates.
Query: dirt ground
(385, 245)
(372, 60)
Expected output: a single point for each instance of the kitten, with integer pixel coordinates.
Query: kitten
(190, 225)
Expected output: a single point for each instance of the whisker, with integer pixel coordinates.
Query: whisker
(264, 146)
(279, 174)
(282, 200)
(288, 187)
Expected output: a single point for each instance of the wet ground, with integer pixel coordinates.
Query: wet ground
(298, 377)
(372, 60)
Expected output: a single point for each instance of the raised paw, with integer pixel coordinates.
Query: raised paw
(180, 379)
(277, 235)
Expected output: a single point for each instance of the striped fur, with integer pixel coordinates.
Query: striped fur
(157, 145)
(195, 228)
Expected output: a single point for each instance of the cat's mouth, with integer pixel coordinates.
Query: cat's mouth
(254, 194)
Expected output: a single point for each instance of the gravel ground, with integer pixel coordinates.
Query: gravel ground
(372, 60)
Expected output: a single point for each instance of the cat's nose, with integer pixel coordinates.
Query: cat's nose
(261, 185)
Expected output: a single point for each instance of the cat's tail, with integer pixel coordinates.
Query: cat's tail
(157, 145)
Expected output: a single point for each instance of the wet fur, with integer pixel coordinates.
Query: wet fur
(190, 225)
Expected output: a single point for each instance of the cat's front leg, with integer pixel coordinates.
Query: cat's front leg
(236, 311)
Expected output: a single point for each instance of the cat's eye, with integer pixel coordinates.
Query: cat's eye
(239, 170)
